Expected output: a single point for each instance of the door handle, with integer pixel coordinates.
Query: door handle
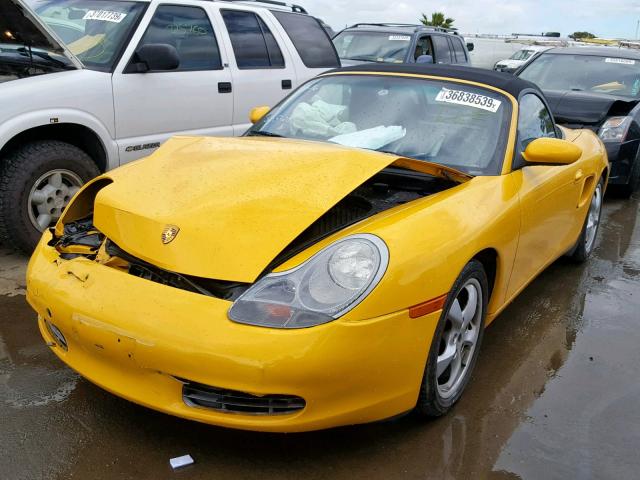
(286, 84)
(578, 176)
(224, 87)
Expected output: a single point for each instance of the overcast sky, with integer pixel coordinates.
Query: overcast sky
(605, 18)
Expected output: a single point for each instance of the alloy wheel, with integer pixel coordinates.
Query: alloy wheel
(50, 195)
(459, 339)
(593, 218)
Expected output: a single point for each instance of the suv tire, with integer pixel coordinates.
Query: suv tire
(23, 173)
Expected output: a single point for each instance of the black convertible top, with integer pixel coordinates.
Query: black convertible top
(504, 81)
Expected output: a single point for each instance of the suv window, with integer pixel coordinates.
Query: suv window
(458, 49)
(423, 47)
(189, 30)
(97, 41)
(311, 40)
(443, 52)
(254, 46)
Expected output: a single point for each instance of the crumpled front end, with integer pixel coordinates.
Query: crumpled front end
(176, 351)
(134, 285)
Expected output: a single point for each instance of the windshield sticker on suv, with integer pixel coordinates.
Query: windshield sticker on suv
(460, 97)
(623, 61)
(402, 38)
(104, 16)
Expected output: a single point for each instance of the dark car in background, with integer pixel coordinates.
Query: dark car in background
(596, 88)
(400, 43)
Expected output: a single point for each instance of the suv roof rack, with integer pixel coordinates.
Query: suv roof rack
(417, 26)
(294, 8)
(384, 25)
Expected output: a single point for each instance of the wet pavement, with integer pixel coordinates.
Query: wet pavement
(555, 395)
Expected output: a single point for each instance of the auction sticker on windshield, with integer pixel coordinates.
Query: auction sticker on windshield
(460, 97)
(104, 15)
(402, 38)
(624, 61)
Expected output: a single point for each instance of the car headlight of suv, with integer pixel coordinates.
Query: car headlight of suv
(615, 128)
(319, 290)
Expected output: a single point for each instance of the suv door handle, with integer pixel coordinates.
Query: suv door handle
(224, 87)
(286, 84)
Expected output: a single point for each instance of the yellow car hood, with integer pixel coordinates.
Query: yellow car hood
(238, 202)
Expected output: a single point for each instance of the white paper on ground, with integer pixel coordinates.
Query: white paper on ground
(371, 138)
(179, 462)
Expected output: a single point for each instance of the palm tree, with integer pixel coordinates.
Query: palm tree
(437, 20)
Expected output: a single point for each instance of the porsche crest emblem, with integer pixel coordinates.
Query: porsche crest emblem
(169, 233)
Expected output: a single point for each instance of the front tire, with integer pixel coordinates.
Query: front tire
(456, 343)
(37, 181)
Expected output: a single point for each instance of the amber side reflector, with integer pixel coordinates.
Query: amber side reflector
(427, 307)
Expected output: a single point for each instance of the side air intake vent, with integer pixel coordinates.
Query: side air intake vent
(232, 401)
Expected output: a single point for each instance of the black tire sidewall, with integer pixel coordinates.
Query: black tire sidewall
(430, 403)
(19, 172)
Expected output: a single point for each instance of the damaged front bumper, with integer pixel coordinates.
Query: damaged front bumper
(149, 343)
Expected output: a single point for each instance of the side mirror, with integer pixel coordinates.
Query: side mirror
(551, 151)
(470, 46)
(424, 59)
(257, 113)
(154, 57)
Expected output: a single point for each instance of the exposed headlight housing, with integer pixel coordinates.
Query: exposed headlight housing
(614, 129)
(318, 291)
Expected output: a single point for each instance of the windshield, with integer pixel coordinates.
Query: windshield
(372, 46)
(610, 75)
(461, 126)
(521, 55)
(27, 49)
(93, 30)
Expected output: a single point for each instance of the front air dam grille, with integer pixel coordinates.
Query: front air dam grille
(233, 401)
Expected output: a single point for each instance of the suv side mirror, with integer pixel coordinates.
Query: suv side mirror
(470, 46)
(154, 57)
(424, 59)
(551, 151)
(257, 113)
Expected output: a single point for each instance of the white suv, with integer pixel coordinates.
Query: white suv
(126, 76)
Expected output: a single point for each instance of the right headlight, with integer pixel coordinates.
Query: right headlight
(318, 291)
(614, 129)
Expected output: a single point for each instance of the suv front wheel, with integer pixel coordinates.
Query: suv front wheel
(37, 181)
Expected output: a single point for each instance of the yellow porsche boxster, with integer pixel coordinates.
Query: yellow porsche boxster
(336, 265)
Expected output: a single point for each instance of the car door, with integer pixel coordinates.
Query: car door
(195, 98)
(261, 70)
(442, 49)
(549, 197)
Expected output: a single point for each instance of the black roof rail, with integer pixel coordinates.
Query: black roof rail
(448, 30)
(365, 24)
(417, 26)
(294, 8)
